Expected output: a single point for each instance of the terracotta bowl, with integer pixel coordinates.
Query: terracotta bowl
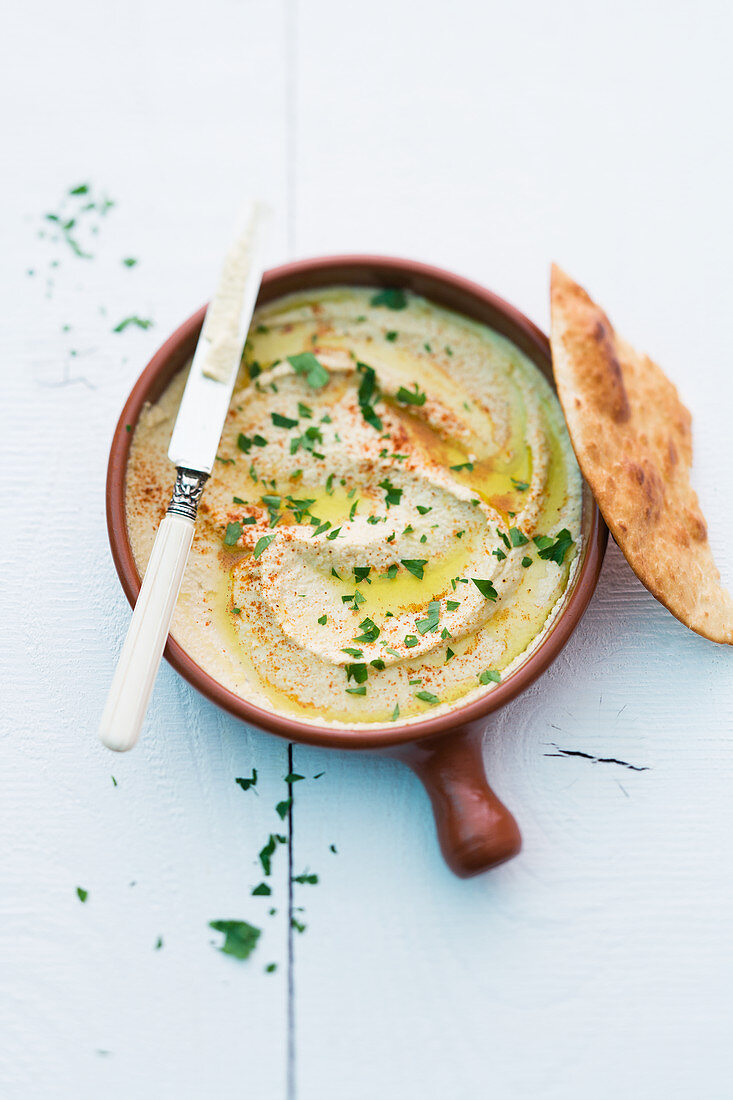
(475, 829)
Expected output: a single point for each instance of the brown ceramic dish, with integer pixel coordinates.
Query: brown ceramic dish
(475, 829)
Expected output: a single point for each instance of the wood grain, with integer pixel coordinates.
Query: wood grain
(490, 139)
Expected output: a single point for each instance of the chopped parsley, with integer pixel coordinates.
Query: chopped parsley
(281, 421)
(416, 566)
(361, 690)
(520, 486)
(266, 853)
(358, 672)
(486, 588)
(305, 411)
(411, 641)
(306, 364)
(395, 712)
(232, 534)
(423, 509)
(240, 938)
(261, 891)
(554, 549)
(283, 808)
(518, 537)
(133, 322)
(427, 697)
(448, 654)
(426, 626)
(82, 894)
(392, 494)
(489, 675)
(407, 397)
(262, 544)
(452, 605)
(361, 572)
(306, 878)
(463, 466)
(391, 298)
(526, 562)
(391, 336)
(245, 783)
(369, 631)
(323, 620)
(332, 535)
(368, 394)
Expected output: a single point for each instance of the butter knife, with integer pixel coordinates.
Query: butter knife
(192, 451)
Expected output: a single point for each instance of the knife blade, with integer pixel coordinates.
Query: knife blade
(192, 450)
(213, 372)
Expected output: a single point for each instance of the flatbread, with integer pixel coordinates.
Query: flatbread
(632, 437)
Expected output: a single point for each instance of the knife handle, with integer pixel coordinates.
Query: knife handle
(137, 667)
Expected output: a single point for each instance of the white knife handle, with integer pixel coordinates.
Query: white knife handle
(137, 667)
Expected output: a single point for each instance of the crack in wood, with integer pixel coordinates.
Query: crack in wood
(596, 759)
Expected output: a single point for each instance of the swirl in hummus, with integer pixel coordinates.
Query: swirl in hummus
(393, 516)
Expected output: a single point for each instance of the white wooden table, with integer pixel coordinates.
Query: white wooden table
(489, 139)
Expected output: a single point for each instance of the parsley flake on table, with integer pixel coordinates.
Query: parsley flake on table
(416, 566)
(130, 261)
(486, 588)
(390, 297)
(245, 783)
(232, 534)
(266, 853)
(293, 777)
(262, 891)
(427, 697)
(240, 938)
(306, 879)
(283, 808)
(262, 544)
(489, 675)
(427, 625)
(306, 364)
(82, 894)
(408, 397)
(555, 548)
(133, 322)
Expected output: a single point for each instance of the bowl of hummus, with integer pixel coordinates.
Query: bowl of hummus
(396, 538)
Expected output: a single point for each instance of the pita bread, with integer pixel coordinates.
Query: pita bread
(632, 437)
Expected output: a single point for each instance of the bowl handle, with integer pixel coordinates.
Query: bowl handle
(475, 830)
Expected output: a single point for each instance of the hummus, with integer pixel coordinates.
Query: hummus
(393, 516)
